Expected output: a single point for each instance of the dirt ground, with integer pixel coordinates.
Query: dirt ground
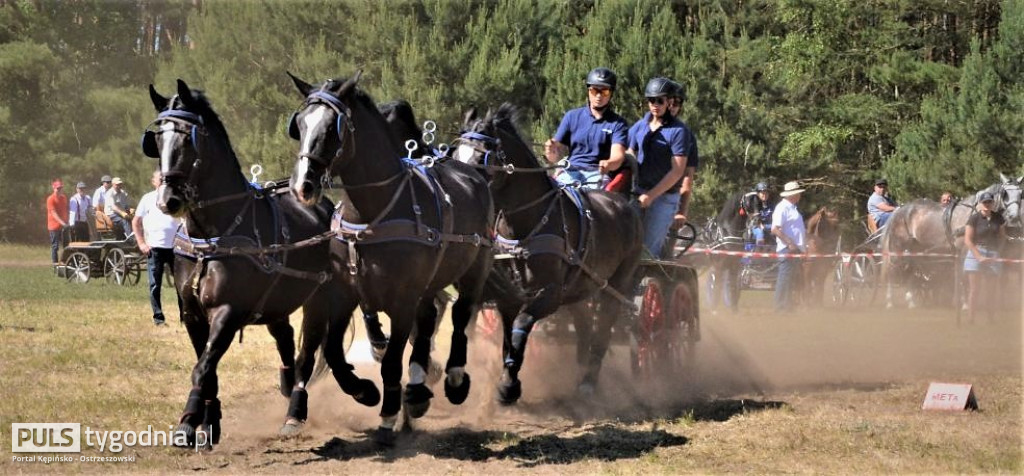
(823, 360)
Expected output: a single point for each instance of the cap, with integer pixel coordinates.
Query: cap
(791, 188)
(80, 185)
(105, 178)
(882, 181)
(117, 181)
(986, 197)
(57, 183)
(761, 187)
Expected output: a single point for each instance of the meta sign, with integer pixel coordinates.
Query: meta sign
(950, 396)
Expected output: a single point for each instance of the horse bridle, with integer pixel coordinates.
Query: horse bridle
(191, 124)
(343, 115)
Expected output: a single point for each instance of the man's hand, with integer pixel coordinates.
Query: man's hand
(602, 167)
(144, 248)
(552, 150)
(645, 200)
(679, 219)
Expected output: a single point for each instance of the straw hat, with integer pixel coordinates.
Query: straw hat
(790, 189)
(117, 181)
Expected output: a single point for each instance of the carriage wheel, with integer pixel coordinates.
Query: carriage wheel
(682, 343)
(862, 280)
(649, 321)
(839, 285)
(77, 268)
(115, 268)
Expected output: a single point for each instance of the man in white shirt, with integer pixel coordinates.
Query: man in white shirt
(97, 201)
(790, 233)
(80, 212)
(154, 230)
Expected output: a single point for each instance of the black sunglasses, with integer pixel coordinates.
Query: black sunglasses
(656, 101)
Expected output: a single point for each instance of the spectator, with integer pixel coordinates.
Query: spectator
(154, 230)
(675, 104)
(946, 199)
(115, 205)
(594, 135)
(56, 217)
(80, 211)
(984, 233)
(790, 233)
(880, 206)
(660, 143)
(98, 201)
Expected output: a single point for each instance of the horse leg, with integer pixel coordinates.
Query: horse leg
(201, 416)
(731, 283)
(583, 324)
(471, 288)
(417, 393)
(284, 338)
(391, 372)
(374, 333)
(546, 302)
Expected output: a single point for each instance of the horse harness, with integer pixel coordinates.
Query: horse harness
(271, 259)
(388, 230)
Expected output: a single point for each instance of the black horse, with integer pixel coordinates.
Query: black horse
(730, 232)
(248, 256)
(578, 245)
(425, 228)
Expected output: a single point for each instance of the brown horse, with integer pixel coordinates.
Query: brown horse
(822, 237)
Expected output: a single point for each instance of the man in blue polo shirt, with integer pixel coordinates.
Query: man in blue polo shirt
(661, 144)
(593, 135)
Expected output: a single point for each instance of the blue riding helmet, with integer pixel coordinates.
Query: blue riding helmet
(603, 77)
(761, 187)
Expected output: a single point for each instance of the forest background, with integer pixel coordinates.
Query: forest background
(927, 93)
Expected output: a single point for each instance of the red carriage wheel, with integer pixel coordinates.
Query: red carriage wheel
(683, 331)
(646, 342)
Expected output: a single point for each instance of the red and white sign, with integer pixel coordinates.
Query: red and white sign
(950, 396)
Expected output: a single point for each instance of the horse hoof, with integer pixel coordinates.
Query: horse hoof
(586, 389)
(417, 400)
(509, 392)
(384, 437)
(368, 394)
(190, 435)
(291, 427)
(287, 381)
(457, 395)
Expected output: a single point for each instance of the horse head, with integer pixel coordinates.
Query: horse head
(494, 145)
(324, 127)
(178, 137)
(1009, 200)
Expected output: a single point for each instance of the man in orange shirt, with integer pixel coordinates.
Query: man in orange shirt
(56, 217)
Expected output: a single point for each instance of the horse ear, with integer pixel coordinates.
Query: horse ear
(470, 116)
(1003, 178)
(351, 83)
(185, 94)
(159, 102)
(303, 87)
(1020, 179)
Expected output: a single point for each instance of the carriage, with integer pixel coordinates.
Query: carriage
(856, 275)
(118, 261)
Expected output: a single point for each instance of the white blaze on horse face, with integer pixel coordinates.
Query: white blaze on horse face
(167, 150)
(315, 117)
(302, 170)
(465, 153)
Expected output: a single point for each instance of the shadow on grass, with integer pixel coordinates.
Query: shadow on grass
(604, 441)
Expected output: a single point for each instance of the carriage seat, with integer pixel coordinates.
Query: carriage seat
(872, 225)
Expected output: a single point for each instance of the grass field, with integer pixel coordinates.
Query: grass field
(819, 391)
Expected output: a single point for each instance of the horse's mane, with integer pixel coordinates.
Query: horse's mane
(401, 109)
(211, 120)
(507, 117)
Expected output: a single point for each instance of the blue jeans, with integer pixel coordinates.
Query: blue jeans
(55, 241)
(882, 218)
(658, 219)
(119, 227)
(785, 285)
(588, 178)
(157, 260)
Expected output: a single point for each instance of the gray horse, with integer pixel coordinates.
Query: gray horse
(925, 226)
